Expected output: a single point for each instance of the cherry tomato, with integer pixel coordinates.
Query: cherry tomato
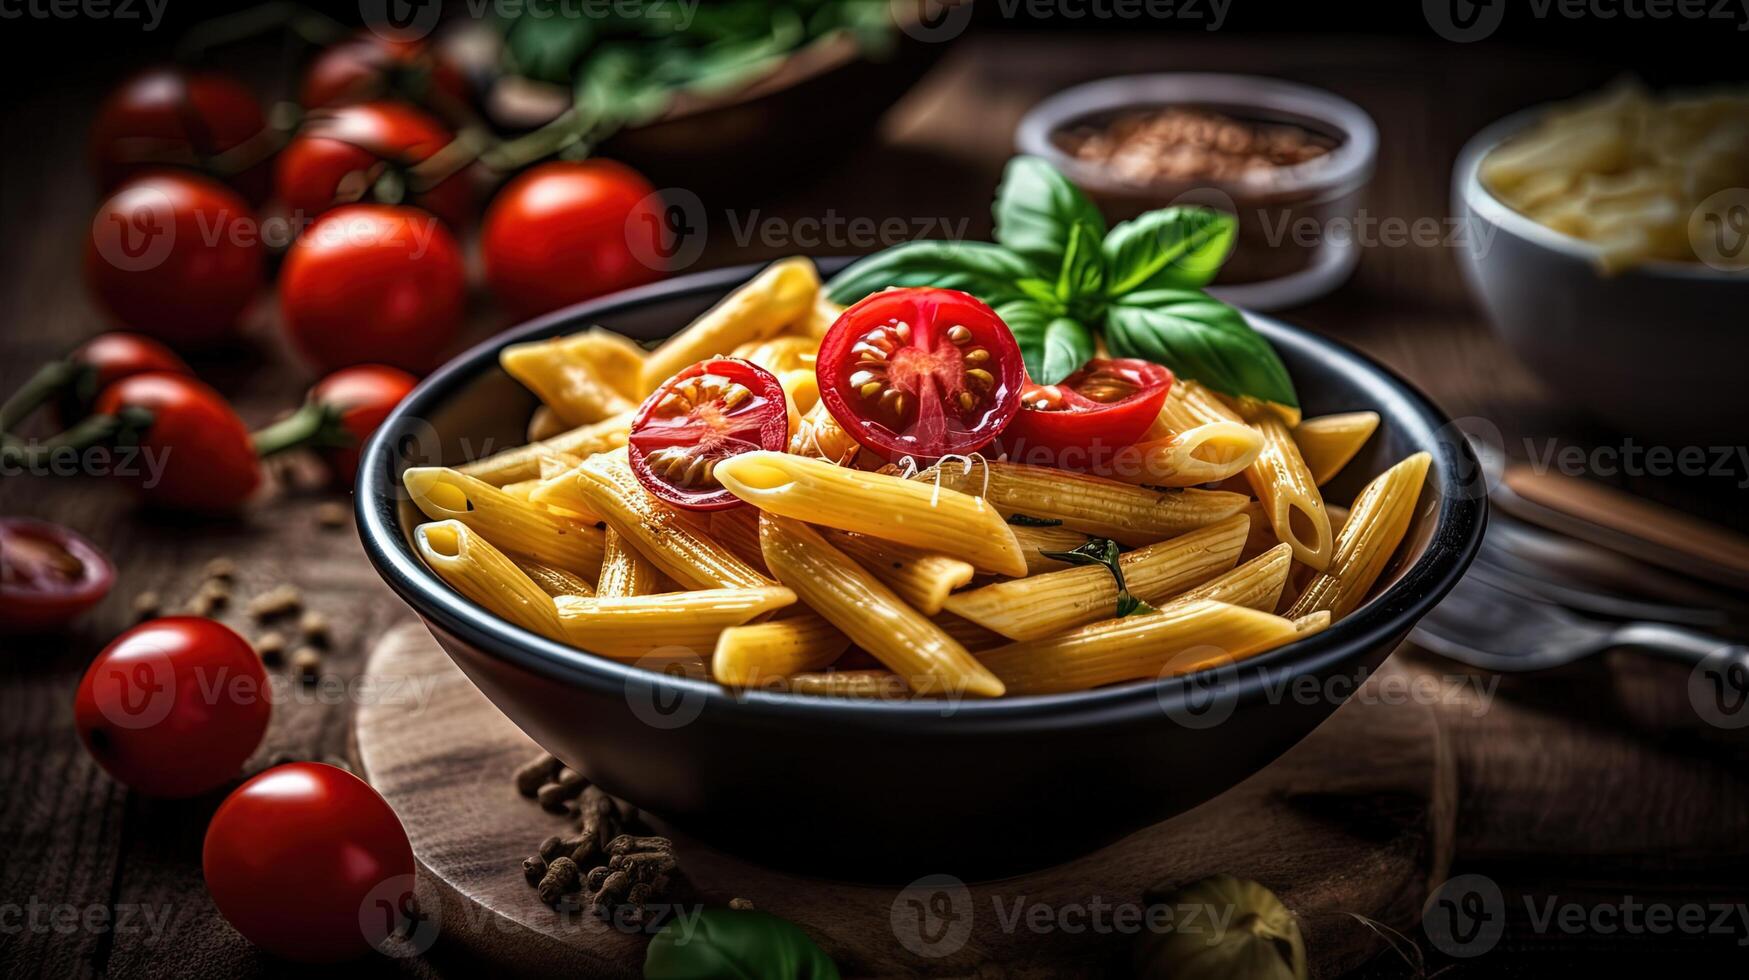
(563, 232)
(173, 706)
(108, 358)
(369, 66)
(922, 373)
(340, 144)
(197, 455)
(708, 412)
(170, 117)
(309, 863)
(48, 575)
(373, 282)
(175, 255)
(361, 397)
(1106, 405)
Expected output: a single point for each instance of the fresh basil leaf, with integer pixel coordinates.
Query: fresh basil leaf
(1052, 345)
(987, 271)
(1036, 211)
(1042, 293)
(1027, 520)
(548, 48)
(1103, 551)
(1198, 337)
(1172, 248)
(735, 944)
(1082, 276)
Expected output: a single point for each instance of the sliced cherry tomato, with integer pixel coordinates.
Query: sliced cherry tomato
(48, 575)
(196, 454)
(167, 117)
(373, 283)
(309, 863)
(173, 706)
(922, 373)
(361, 397)
(1106, 405)
(175, 255)
(359, 142)
(369, 66)
(712, 410)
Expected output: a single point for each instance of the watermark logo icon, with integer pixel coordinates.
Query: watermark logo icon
(931, 21)
(667, 229)
(932, 916)
(1205, 698)
(397, 920)
(1718, 687)
(400, 20)
(1464, 21)
(1718, 230)
(138, 232)
(139, 690)
(1466, 916)
(664, 707)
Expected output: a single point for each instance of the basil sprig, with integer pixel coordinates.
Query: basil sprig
(1103, 551)
(737, 945)
(1058, 277)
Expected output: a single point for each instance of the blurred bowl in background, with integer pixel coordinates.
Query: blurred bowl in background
(1297, 224)
(1656, 350)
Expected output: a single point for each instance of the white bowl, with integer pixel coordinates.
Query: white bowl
(1657, 351)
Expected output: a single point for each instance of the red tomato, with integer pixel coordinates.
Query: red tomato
(196, 453)
(173, 706)
(1106, 405)
(922, 373)
(361, 397)
(373, 282)
(708, 412)
(108, 358)
(563, 232)
(48, 575)
(309, 863)
(369, 66)
(170, 117)
(176, 256)
(365, 139)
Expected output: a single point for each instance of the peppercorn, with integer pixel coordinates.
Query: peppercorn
(554, 795)
(537, 772)
(561, 877)
(741, 904)
(534, 868)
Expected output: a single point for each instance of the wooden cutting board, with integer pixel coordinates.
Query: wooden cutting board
(1333, 837)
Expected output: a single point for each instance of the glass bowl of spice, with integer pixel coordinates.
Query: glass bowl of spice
(1291, 162)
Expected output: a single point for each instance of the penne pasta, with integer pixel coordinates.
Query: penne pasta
(1205, 453)
(967, 633)
(523, 462)
(776, 297)
(554, 581)
(1034, 540)
(1289, 495)
(1129, 515)
(880, 684)
(518, 526)
(941, 521)
(1256, 584)
(921, 578)
(868, 612)
(624, 572)
(544, 424)
(819, 317)
(562, 374)
(1377, 522)
(470, 565)
(761, 653)
(1040, 605)
(1176, 639)
(1328, 442)
(673, 625)
(738, 529)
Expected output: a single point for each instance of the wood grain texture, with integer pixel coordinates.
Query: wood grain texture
(1330, 836)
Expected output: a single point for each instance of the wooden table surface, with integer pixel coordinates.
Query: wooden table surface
(1643, 800)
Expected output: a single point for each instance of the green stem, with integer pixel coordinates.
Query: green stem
(49, 380)
(90, 431)
(315, 426)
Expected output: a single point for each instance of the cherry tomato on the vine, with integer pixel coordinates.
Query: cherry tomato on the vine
(173, 706)
(309, 863)
(108, 358)
(196, 454)
(922, 373)
(360, 397)
(373, 283)
(565, 231)
(368, 66)
(168, 117)
(708, 412)
(48, 575)
(358, 143)
(1107, 404)
(175, 255)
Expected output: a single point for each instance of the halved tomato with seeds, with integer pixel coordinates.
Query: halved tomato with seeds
(712, 410)
(1109, 403)
(923, 373)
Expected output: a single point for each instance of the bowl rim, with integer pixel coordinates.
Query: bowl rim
(1348, 165)
(1471, 193)
(1461, 514)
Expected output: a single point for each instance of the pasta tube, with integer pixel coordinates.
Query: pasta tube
(1034, 540)
(1256, 584)
(1127, 514)
(880, 684)
(671, 542)
(759, 653)
(1172, 640)
(944, 522)
(868, 612)
(738, 528)
(624, 572)
(523, 462)
(1037, 606)
(561, 373)
(967, 633)
(673, 624)
(544, 424)
(554, 581)
(1376, 524)
(770, 301)
(470, 565)
(922, 579)
(1206, 453)
(1289, 495)
(515, 525)
(1328, 442)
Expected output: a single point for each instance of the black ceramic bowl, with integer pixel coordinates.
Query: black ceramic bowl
(893, 790)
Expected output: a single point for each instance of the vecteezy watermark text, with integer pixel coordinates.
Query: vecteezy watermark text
(149, 13)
